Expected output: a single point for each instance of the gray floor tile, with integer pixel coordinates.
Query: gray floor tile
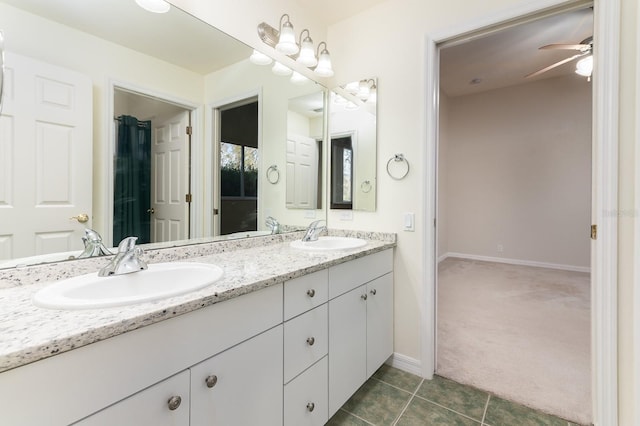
(398, 378)
(501, 412)
(423, 413)
(463, 399)
(377, 403)
(342, 418)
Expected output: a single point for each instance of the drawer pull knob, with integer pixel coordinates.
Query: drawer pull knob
(211, 380)
(373, 292)
(174, 402)
(311, 406)
(364, 297)
(311, 292)
(311, 341)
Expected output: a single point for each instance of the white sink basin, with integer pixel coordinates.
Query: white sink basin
(159, 281)
(329, 243)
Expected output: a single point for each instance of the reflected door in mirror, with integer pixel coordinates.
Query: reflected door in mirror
(341, 173)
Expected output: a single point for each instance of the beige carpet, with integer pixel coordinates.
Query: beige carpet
(520, 332)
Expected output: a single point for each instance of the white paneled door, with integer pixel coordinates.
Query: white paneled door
(45, 158)
(302, 172)
(169, 179)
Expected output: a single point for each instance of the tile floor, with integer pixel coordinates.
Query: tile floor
(394, 397)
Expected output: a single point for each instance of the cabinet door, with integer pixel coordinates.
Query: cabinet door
(347, 346)
(242, 385)
(163, 404)
(379, 322)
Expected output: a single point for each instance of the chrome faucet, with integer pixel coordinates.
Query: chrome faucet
(314, 230)
(127, 259)
(93, 245)
(272, 224)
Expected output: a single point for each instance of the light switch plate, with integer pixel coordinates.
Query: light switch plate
(309, 214)
(346, 215)
(408, 222)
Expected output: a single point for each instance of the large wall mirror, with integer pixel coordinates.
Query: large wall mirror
(133, 123)
(353, 146)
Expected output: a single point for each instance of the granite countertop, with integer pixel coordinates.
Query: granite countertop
(29, 333)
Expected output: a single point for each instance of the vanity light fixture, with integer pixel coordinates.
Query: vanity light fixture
(284, 41)
(324, 62)
(279, 69)
(307, 56)
(155, 6)
(366, 90)
(260, 58)
(287, 39)
(584, 66)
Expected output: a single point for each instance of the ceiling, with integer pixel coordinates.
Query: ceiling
(504, 58)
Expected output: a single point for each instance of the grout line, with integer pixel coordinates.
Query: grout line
(486, 407)
(396, 387)
(357, 417)
(395, 422)
(447, 408)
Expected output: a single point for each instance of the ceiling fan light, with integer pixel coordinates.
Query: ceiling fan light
(584, 66)
(260, 58)
(287, 40)
(155, 6)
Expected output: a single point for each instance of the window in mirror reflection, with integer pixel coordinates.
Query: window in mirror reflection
(239, 155)
(341, 173)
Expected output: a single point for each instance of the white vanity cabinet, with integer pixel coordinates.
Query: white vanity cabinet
(360, 323)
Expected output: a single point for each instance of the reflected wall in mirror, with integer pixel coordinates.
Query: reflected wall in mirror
(305, 132)
(85, 75)
(353, 135)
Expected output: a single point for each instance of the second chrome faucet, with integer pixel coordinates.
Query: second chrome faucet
(126, 261)
(314, 230)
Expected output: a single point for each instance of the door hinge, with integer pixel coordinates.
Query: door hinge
(188, 198)
(189, 130)
(594, 232)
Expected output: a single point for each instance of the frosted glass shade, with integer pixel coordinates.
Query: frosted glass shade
(307, 55)
(155, 6)
(297, 78)
(259, 58)
(279, 69)
(584, 66)
(324, 65)
(287, 41)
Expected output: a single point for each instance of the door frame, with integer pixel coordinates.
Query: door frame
(108, 152)
(211, 150)
(604, 309)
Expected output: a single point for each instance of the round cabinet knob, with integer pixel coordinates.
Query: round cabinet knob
(211, 380)
(311, 292)
(82, 218)
(311, 341)
(364, 297)
(311, 406)
(373, 292)
(174, 402)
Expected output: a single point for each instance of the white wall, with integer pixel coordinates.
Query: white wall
(518, 172)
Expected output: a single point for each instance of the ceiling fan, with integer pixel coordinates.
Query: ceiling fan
(584, 48)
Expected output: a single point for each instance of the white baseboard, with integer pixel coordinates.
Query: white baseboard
(405, 363)
(516, 262)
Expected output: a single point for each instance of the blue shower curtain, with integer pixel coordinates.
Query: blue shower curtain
(132, 186)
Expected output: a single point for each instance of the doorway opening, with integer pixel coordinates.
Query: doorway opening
(151, 168)
(238, 167)
(514, 200)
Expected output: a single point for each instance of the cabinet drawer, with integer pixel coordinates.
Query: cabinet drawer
(305, 293)
(349, 275)
(149, 407)
(306, 397)
(305, 341)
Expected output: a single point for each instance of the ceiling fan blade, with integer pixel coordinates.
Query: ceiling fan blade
(552, 66)
(566, 47)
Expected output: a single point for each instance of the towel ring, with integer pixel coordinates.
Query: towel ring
(398, 158)
(273, 174)
(366, 186)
